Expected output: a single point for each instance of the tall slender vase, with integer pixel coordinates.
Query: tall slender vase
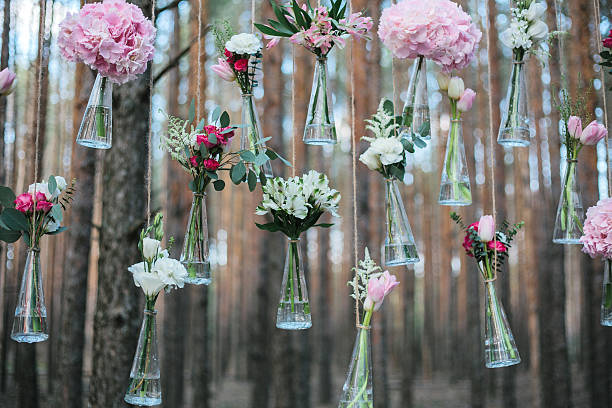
(145, 383)
(606, 298)
(455, 181)
(251, 136)
(30, 323)
(500, 348)
(195, 254)
(293, 308)
(96, 130)
(570, 212)
(357, 390)
(320, 128)
(415, 116)
(399, 246)
(514, 127)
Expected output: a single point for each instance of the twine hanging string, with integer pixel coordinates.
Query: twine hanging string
(293, 121)
(148, 176)
(199, 70)
(597, 13)
(252, 16)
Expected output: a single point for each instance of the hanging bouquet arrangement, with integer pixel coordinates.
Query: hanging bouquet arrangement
(296, 204)
(455, 182)
(570, 212)
(114, 38)
(606, 55)
(156, 272)
(490, 249)
(370, 288)
(597, 241)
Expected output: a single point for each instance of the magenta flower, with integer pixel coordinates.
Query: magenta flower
(378, 289)
(24, 203)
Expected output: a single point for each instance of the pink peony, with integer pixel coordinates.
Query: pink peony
(378, 289)
(597, 230)
(113, 37)
(436, 29)
(24, 203)
(210, 164)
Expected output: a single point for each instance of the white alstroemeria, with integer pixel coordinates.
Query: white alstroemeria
(150, 248)
(390, 150)
(296, 206)
(244, 43)
(61, 183)
(170, 271)
(150, 283)
(535, 11)
(40, 188)
(538, 30)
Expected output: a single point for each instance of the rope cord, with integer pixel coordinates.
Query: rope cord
(293, 121)
(252, 16)
(199, 70)
(150, 133)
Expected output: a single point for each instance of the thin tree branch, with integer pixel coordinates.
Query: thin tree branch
(168, 6)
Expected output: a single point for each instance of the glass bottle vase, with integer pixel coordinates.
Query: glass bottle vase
(30, 322)
(145, 383)
(514, 127)
(195, 255)
(357, 390)
(399, 246)
(320, 128)
(500, 348)
(251, 137)
(96, 130)
(606, 298)
(570, 212)
(455, 187)
(293, 308)
(415, 117)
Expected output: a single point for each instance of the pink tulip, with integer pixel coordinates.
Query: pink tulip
(574, 126)
(224, 70)
(7, 81)
(378, 288)
(593, 133)
(486, 228)
(467, 99)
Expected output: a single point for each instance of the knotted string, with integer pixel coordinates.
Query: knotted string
(293, 121)
(150, 132)
(199, 70)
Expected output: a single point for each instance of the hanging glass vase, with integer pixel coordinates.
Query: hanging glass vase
(96, 129)
(415, 117)
(30, 323)
(455, 182)
(399, 246)
(293, 309)
(145, 383)
(195, 254)
(357, 390)
(320, 128)
(570, 213)
(514, 127)
(500, 348)
(606, 298)
(251, 135)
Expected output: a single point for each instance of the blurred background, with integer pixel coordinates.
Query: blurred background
(218, 345)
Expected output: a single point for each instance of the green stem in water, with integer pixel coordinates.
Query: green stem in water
(362, 360)
(513, 114)
(100, 110)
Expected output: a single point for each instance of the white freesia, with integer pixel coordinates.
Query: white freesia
(151, 283)
(40, 188)
(150, 247)
(61, 183)
(170, 271)
(244, 43)
(538, 30)
(389, 149)
(371, 159)
(535, 11)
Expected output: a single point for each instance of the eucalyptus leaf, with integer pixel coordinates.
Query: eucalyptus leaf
(215, 114)
(261, 159)
(224, 121)
(212, 138)
(262, 178)
(252, 180)
(203, 150)
(219, 185)
(262, 141)
(57, 231)
(200, 125)
(7, 197)
(14, 220)
(248, 156)
(419, 142)
(56, 213)
(212, 175)
(9, 236)
(52, 184)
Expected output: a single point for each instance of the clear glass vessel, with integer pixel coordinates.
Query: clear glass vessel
(399, 245)
(415, 116)
(96, 130)
(251, 137)
(195, 255)
(514, 128)
(455, 187)
(320, 128)
(570, 212)
(500, 348)
(357, 389)
(606, 296)
(293, 308)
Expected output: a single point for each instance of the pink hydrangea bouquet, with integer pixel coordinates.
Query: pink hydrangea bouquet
(112, 37)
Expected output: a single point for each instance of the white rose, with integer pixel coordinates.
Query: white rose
(390, 150)
(41, 188)
(150, 247)
(535, 11)
(538, 31)
(150, 283)
(170, 271)
(371, 159)
(244, 43)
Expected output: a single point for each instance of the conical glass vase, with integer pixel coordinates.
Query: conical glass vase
(195, 256)
(251, 137)
(455, 187)
(514, 127)
(320, 128)
(145, 383)
(357, 390)
(96, 130)
(500, 348)
(606, 297)
(30, 323)
(415, 117)
(399, 246)
(570, 212)
(293, 308)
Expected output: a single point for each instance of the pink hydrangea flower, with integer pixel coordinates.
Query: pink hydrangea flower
(597, 230)
(113, 37)
(438, 30)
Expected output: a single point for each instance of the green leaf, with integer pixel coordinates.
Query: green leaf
(388, 107)
(9, 236)
(279, 27)
(57, 231)
(271, 154)
(297, 13)
(224, 121)
(52, 184)
(203, 150)
(7, 197)
(248, 156)
(215, 114)
(271, 227)
(56, 212)
(192, 111)
(14, 220)
(419, 142)
(212, 175)
(425, 129)
(200, 125)
(396, 172)
(261, 158)
(187, 153)
(219, 185)
(280, 14)
(284, 160)
(262, 178)
(270, 31)
(323, 225)
(252, 180)
(192, 185)
(212, 138)
(262, 141)
(238, 172)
